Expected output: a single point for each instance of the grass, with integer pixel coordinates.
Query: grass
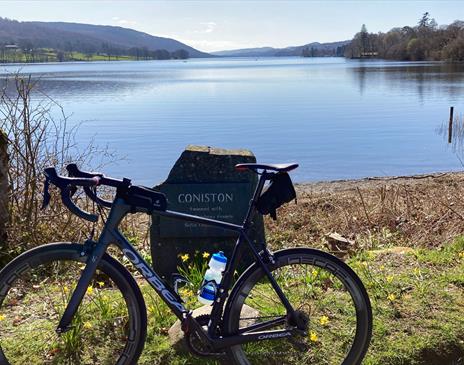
(413, 271)
(417, 296)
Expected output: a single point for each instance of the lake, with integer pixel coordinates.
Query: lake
(338, 118)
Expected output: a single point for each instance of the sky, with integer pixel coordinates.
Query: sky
(223, 24)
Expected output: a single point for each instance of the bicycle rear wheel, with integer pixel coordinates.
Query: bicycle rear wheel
(323, 290)
(110, 324)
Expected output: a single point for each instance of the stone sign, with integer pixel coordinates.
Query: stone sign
(225, 202)
(204, 182)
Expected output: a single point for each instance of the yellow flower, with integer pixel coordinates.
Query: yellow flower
(66, 289)
(324, 320)
(2, 317)
(184, 257)
(417, 271)
(364, 263)
(389, 278)
(313, 336)
(87, 325)
(382, 267)
(461, 254)
(151, 309)
(186, 292)
(205, 255)
(314, 272)
(100, 284)
(391, 297)
(90, 290)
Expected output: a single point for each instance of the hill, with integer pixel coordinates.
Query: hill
(320, 49)
(86, 38)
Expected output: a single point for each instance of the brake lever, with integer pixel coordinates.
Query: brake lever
(72, 190)
(65, 197)
(46, 194)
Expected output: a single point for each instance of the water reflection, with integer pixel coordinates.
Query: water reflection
(339, 118)
(419, 79)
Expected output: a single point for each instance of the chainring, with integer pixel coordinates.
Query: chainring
(194, 342)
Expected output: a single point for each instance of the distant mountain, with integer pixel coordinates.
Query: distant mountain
(247, 52)
(288, 51)
(59, 35)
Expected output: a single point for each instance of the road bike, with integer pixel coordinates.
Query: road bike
(71, 303)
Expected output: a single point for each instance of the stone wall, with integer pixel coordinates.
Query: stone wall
(3, 189)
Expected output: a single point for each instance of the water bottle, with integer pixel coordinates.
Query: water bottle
(212, 278)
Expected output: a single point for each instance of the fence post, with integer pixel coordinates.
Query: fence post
(4, 213)
(450, 125)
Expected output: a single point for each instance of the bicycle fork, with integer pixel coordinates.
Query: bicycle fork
(95, 254)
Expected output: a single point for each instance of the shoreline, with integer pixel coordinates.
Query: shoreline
(425, 210)
(373, 181)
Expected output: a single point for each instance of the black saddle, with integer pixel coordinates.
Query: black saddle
(281, 167)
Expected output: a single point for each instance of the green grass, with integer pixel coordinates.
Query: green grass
(417, 298)
(418, 307)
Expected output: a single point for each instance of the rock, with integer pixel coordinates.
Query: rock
(176, 336)
(339, 245)
(204, 182)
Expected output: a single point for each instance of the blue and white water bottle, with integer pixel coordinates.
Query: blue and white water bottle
(212, 278)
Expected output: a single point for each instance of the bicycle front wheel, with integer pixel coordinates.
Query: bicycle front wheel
(327, 295)
(110, 324)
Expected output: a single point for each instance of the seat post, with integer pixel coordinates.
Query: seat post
(259, 188)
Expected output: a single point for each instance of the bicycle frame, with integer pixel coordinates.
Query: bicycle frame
(111, 235)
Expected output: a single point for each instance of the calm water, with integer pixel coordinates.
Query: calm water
(338, 118)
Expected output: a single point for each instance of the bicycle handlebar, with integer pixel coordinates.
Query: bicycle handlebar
(140, 198)
(74, 171)
(65, 185)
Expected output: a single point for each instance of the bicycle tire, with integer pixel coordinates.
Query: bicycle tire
(109, 327)
(251, 289)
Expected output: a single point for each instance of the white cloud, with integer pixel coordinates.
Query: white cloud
(206, 27)
(123, 21)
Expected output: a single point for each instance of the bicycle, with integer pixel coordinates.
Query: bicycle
(76, 304)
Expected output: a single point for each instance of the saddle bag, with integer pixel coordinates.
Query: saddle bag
(279, 191)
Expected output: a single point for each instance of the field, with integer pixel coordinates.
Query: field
(404, 241)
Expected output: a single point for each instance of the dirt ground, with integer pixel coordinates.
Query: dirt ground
(415, 211)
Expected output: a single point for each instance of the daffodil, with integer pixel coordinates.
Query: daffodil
(87, 325)
(89, 290)
(313, 336)
(2, 317)
(391, 297)
(324, 320)
(100, 284)
(205, 255)
(184, 257)
(389, 278)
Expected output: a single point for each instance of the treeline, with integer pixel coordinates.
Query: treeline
(425, 41)
(323, 52)
(27, 52)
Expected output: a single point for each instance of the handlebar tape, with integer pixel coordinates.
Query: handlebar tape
(65, 184)
(74, 171)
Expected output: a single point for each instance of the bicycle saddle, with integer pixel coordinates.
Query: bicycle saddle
(281, 167)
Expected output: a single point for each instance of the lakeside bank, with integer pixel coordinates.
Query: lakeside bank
(375, 213)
